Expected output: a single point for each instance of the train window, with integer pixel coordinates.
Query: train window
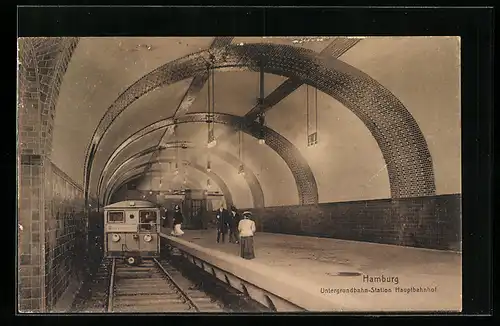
(115, 216)
(147, 216)
(147, 220)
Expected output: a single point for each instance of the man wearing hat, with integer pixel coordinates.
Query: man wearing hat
(234, 219)
(164, 217)
(222, 223)
(246, 227)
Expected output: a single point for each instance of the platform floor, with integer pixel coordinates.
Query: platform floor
(318, 261)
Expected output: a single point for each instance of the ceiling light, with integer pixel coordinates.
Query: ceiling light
(241, 169)
(212, 143)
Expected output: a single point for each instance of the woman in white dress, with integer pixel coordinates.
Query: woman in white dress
(178, 219)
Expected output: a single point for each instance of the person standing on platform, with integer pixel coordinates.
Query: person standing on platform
(178, 219)
(222, 223)
(246, 227)
(164, 218)
(233, 225)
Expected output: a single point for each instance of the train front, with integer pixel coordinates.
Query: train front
(132, 230)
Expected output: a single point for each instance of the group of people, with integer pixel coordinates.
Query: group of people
(241, 230)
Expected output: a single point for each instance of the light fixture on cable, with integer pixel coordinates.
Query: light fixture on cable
(241, 169)
(177, 156)
(161, 177)
(211, 139)
(209, 168)
(260, 100)
(262, 141)
(312, 131)
(151, 184)
(211, 142)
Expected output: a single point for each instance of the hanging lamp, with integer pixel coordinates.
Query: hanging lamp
(261, 117)
(211, 142)
(241, 169)
(312, 133)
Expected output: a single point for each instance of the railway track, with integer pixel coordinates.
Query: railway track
(154, 286)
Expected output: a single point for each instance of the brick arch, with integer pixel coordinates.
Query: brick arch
(43, 62)
(115, 184)
(398, 135)
(252, 181)
(250, 177)
(146, 151)
(302, 173)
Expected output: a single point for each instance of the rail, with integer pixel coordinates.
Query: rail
(177, 286)
(165, 292)
(111, 286)
(279, 293)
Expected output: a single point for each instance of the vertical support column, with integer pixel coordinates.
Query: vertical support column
(31, 264)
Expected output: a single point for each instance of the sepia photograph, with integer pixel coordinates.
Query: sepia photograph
(239, 174)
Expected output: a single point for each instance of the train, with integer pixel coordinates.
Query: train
(132, 231)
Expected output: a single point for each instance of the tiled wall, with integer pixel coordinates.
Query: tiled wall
(52, 231)
(65, 232)
(426, 222)
(30, 234)
(42, 63)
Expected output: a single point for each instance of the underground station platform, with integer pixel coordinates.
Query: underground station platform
(321, 274)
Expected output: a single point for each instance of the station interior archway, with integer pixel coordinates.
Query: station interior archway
(361, 137)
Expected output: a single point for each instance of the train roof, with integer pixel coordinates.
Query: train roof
(131, 204)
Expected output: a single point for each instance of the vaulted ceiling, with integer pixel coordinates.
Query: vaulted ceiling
(102, 69)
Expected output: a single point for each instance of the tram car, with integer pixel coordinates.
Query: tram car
(132, 230)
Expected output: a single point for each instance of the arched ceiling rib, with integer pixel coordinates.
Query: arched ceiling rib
(192, 92)
(249, 176)
(136, 179)
(115, 184)
(132, 175)
(304, 178)
(146, 151)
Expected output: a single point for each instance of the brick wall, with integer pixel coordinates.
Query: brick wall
(52, 233)
(425, 222)
(65, 233)
(30, 234)
(47, 218)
